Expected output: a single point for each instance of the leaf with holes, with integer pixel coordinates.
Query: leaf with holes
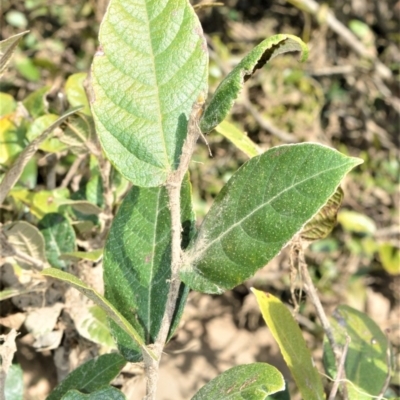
(229, 89)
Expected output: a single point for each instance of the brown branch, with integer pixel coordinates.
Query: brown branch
(340, 371)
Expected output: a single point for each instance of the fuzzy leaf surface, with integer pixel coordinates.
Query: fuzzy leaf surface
(293, 347)
(229, 89)
(90, 376)
(152, 67)
(264, 204)
(250, 382)
(137, 257)
(109, 393)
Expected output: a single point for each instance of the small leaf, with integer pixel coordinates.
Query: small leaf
(229, 89)
(150, 71)
(102, 302)
(78, 133)
(353, 221)
(366, 364)
(137, 257)
(264, 204)
(238, 138)
(43, 202)
(390, 258)
(251, 381)
(293, 347)
(59, 237)
(39, 125)
(90, 376)
(36, 102)
(14, 385)
(322, 223)
(7, 48)
(94, 326)
(82, 206)
(12, 140)
(75, 92)
(13, 174)
(27, 239)
(109, 393)
(7, 104)
(94, 255)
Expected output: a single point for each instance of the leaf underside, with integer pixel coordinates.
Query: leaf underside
(152, 67)
(265, 203)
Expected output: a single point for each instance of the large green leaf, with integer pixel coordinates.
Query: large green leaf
(137, 257)
(251, 381)
(265, 203)
(151, 69)
(59, 237)
(102, 302)
(367, 361)
(293, 347)
(90, 376)
(229, 89)
(109, 393)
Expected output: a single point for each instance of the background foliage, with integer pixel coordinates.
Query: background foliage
(336, 98)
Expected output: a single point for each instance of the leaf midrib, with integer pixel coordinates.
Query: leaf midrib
(292, 186)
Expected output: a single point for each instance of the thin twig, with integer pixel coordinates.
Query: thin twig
(335, 387)
(312, 292)
(345, 33)
(72, 171)
(265, 124)
(173, 186)
(389, 365)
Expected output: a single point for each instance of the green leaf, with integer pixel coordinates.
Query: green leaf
(7, 104)
(229, 89)
(12, 140)
(7, 48)
(265, 203)
(90, 376)
(238, 138)
(79, 133)
(366, 364)
(353, 221)
(390, 258)
(137, 257)
(59, 237)
(14, 385)
(251, 381)
(51, 144)
(94, 255)
(36, 102)
(293, 347)
(94, 326)
(151, 69)
(75, 92)
(109, 393)
(102, 302)
(43, 202)
(27, 239)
